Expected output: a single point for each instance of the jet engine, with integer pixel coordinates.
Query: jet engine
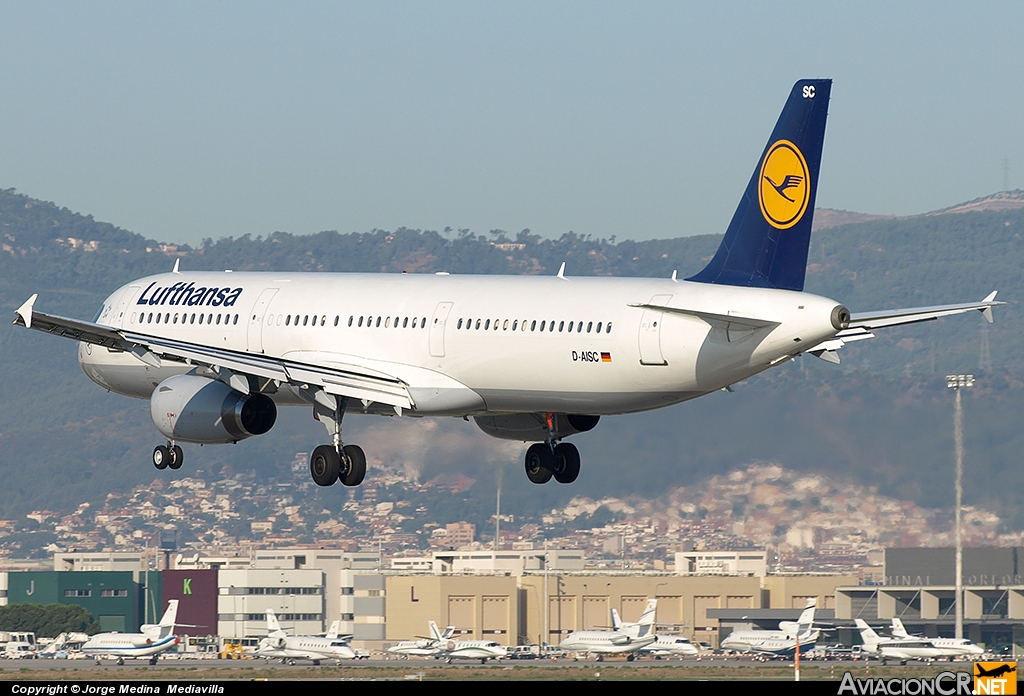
(191, 408)
(531, 427)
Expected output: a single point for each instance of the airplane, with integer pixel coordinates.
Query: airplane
(626, 640)
(663, 646)
(900, 648)
(482, 650)
(951, 647)
(279, 644)
(777, 643)
(529, 358)
(150, 642)
(424, 647)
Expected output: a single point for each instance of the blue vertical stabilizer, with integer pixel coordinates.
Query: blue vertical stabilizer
(767, 240)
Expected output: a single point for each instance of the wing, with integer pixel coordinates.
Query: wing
(862, 323)
(233, 367)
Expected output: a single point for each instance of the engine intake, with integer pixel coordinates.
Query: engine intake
(202, 410)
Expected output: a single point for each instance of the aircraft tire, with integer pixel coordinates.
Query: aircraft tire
(356, 469)
(567, 462)
(539, 463)
(177, 458)
(120, 661)
(324, 465)
(161, 457)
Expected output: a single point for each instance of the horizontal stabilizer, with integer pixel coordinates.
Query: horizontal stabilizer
(912, 315)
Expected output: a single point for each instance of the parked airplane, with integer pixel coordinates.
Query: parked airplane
(950, 647)
(902, 649)
(534, 359)
(153, 640)
(279, 644)
(781, 642)
(663, 646)
(422, 646)
(626, 640)
(482, 650)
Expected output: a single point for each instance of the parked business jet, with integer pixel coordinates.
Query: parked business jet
(902, 649)
(626, 640)
(663, 646)
(422, 646)
(534, 359)
(153, 640)
(778, 643)
(949, 647)
(279, 644)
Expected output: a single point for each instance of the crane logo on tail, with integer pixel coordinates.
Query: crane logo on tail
(784, 186)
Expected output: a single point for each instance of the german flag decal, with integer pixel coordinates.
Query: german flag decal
(606, 357)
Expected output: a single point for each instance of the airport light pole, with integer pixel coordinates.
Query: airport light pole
(956, 383)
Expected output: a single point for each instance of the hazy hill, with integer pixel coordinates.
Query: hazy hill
(882, 417)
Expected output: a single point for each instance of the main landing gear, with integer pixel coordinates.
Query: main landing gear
(546, 459)
(335, 462)
(168, 456)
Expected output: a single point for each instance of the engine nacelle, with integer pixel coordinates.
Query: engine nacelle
(530, 427)
(198, 409)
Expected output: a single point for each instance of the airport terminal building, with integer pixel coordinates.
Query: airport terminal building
(515, 597)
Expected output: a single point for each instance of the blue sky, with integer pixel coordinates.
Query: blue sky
(188, 120)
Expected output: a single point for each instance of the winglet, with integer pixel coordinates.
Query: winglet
(561, 271)
(987, 312)
(25, 311)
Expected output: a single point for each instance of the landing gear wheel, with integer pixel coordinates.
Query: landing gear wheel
(567, 462)
(539, 463)
(161, 457)
(152, 660)
(120, 662)
(177, 459)
(324, 465)
(355, 469)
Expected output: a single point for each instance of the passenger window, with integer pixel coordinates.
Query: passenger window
(235, 320)
(504, 325)
(192, 319)
(459, 325)
(487, 324)
(323, 320)
(608, 329)
(352, 318)
(378, 322)
(288, 320)
(514, 325)
(167, 318)
(387, 323)
(590, 325)
(218, 320)
(405, 323)
(561, 325)
(158, 318)
(305, 320)
(598, 327)
(533, 326)
(551, 326)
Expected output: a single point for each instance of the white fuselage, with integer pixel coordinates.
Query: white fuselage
(306, 648)
(128, 644)
(773, 642)
(471, 345)
(670, 645)
(474, 650)
(605, 642)
(906, 649)
(419, 648)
